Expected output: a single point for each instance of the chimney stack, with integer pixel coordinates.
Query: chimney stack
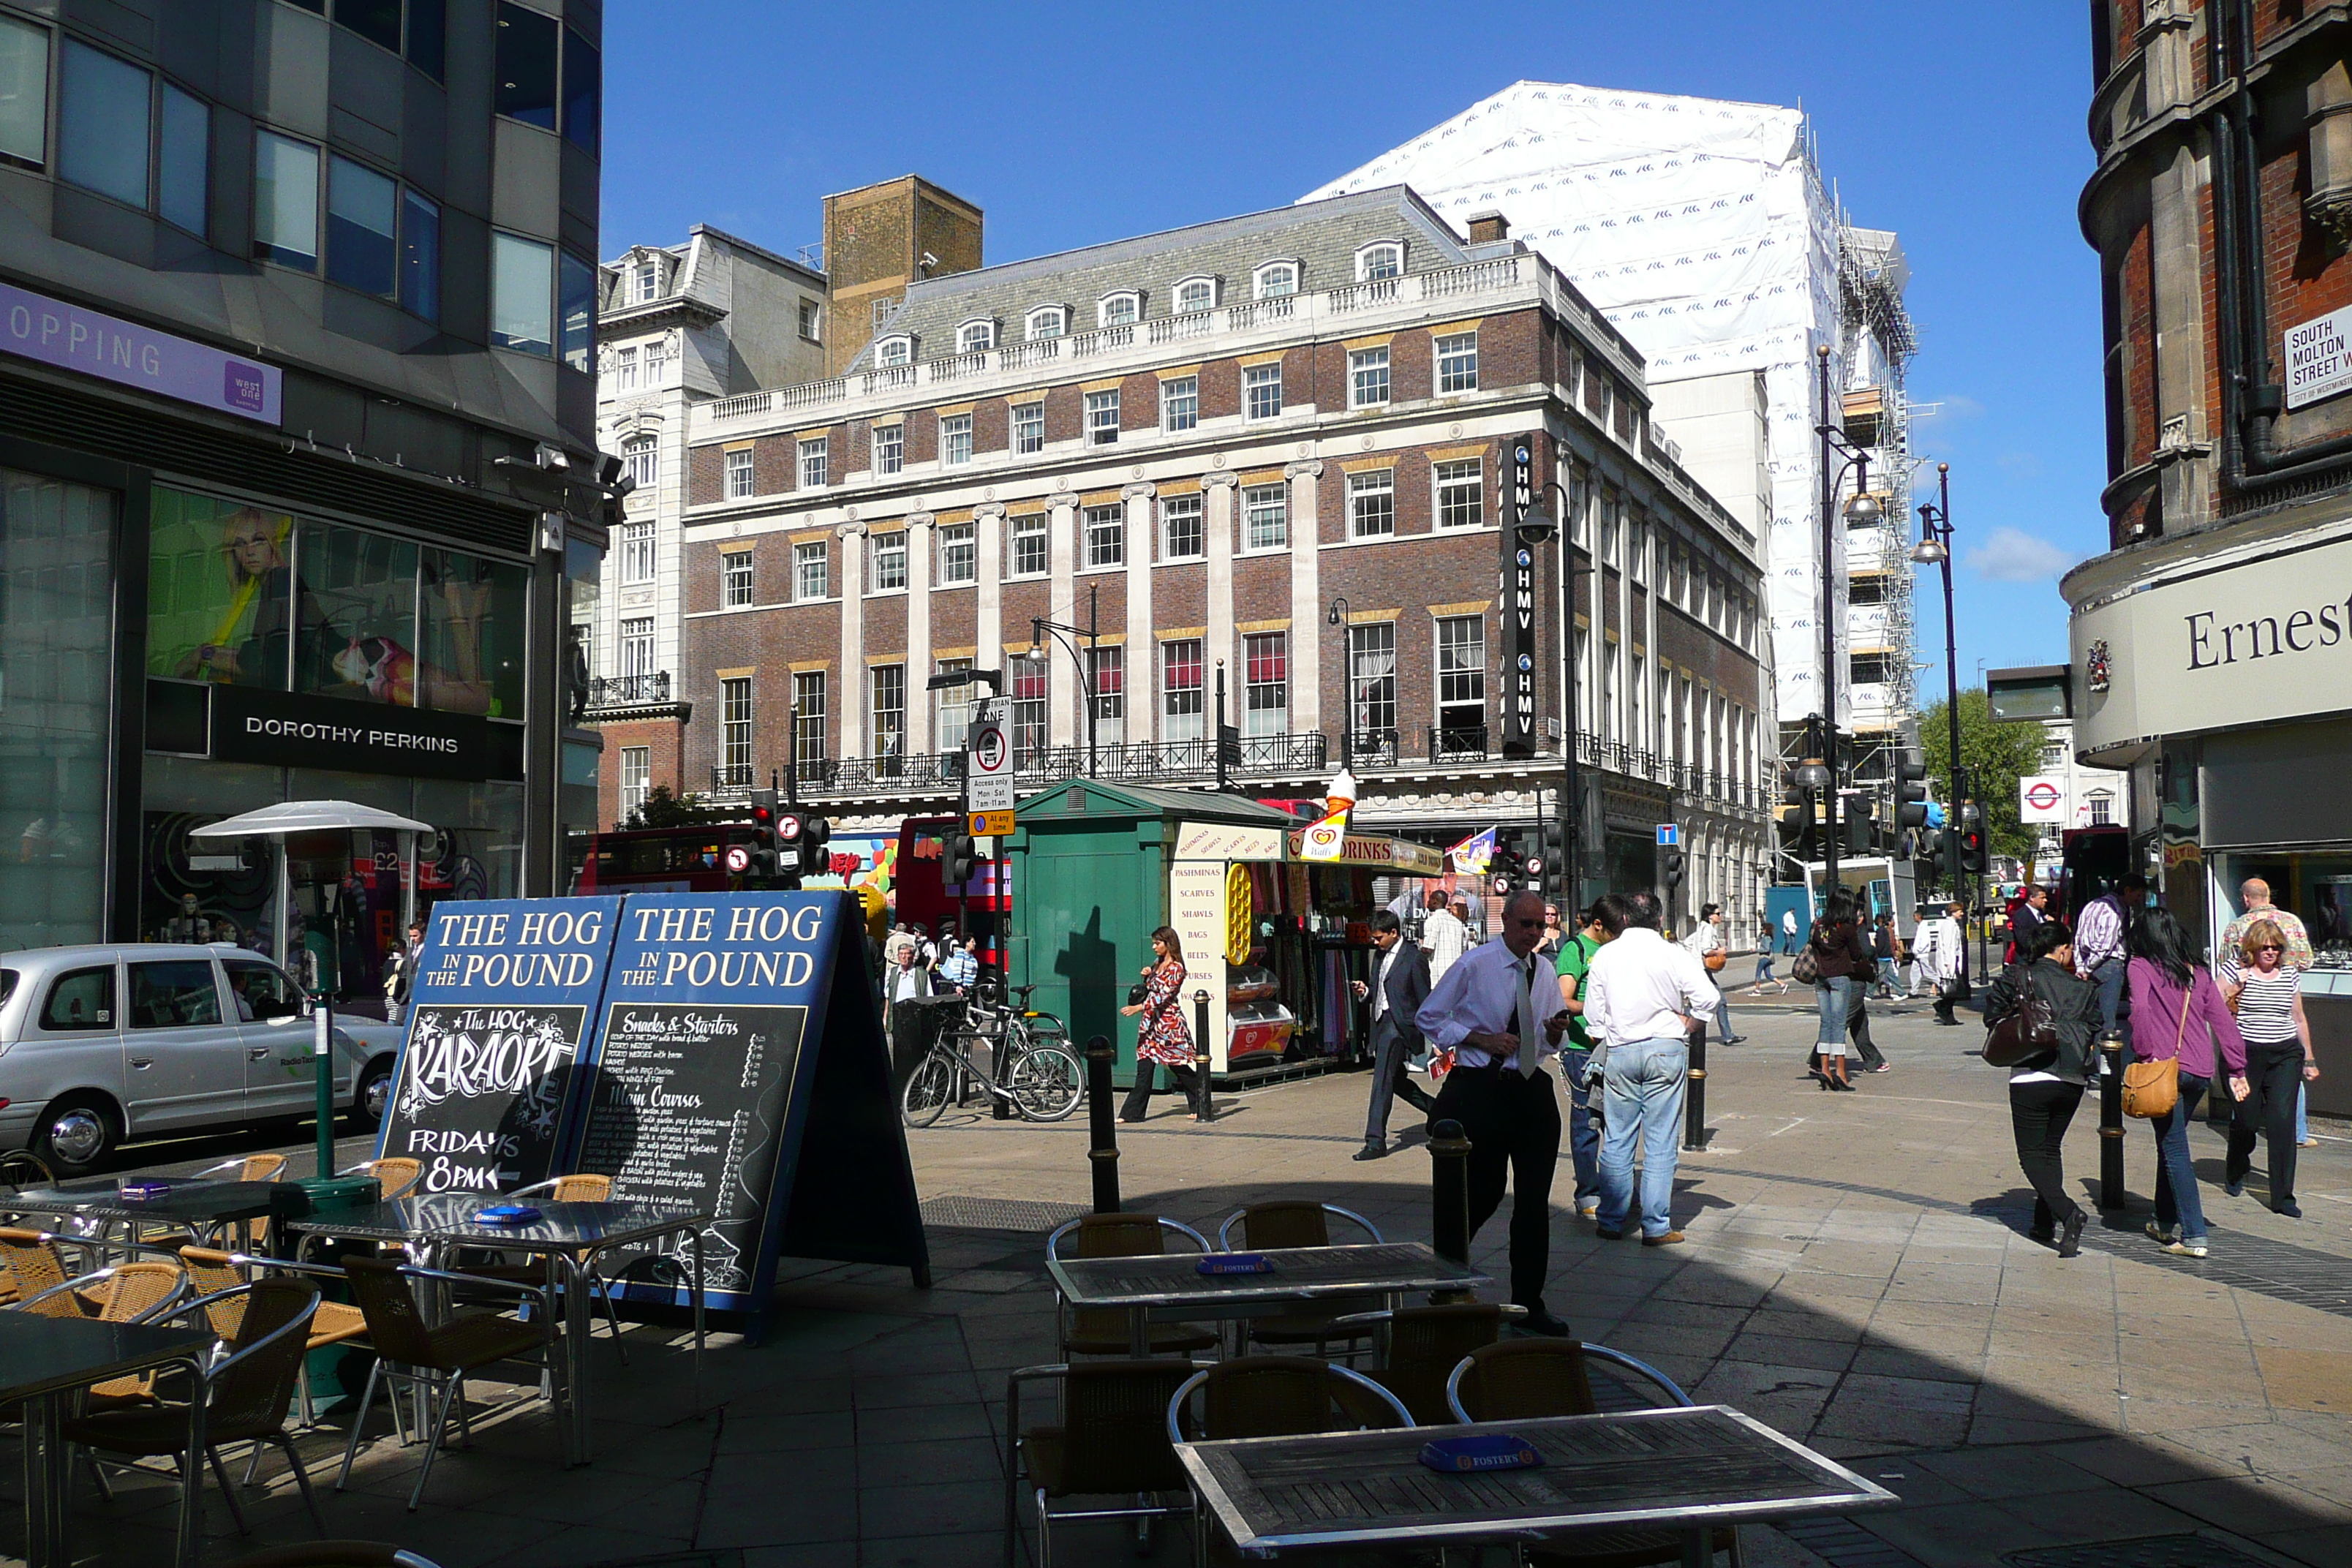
(1488, 227)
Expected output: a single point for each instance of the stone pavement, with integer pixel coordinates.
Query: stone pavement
(1856, 1275)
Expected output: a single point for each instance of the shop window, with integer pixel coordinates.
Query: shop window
(219, 592)
(24, 93)
(476, 614)
(56, 571)
(102, 124)
(526, 66)
(355, 597)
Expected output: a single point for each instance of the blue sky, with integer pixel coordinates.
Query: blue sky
(1962, 129)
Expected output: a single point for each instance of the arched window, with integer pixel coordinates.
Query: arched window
(974, 337)
(1195, 295)
(1119, 310)
(895, 350)
(642, 456)
(1048, 322)
(1276, 278)
(1384, 259)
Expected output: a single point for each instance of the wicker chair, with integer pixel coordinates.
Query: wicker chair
(245, 1398)
(441, 1356)
(1111, 1440)
(580, 1187)
(1420, 1347)
(1292, 1222)
(1522, 1379)
(334, 1322)
(1104, 1331)
(33, 1265)
(253, 1232)
(395, 1178)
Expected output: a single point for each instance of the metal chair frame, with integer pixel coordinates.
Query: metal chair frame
(1226, 1231)
(302, 1383)
(593, 1277)
(387, 1195)
(1193, 1384)
(1673, 1390)
(189, 1467)
(1143, 1513)
(98, 1276)
(449, 1385)
(1054, 1251)
(1245, 1329)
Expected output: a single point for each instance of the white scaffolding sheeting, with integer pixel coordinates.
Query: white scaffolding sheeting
(1701, 228)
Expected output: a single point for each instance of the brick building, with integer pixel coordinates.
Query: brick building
(1262, 451)
(2212, 644)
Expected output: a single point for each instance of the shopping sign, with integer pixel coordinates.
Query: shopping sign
(2041, 800)
(988, 775)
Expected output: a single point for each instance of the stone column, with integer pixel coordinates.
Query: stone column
(1217, 543)
(918, 632)
(1143, 684)
(2177, 265)
(1064, 724)
(1306, 600)
(855, 695)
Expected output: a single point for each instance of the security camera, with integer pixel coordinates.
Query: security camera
(929, 260)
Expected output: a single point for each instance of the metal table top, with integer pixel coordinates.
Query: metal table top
(191, 1200)
(561, 1227)
(1660, 1470)
(1300, 1273)
(42, 1355)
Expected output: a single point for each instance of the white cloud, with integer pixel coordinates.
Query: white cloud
(2010, 555)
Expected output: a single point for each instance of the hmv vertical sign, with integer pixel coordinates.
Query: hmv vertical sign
(1518, 604)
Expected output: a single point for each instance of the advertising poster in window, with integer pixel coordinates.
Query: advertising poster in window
(485, 1086)
(220, 590)
(742, 1070)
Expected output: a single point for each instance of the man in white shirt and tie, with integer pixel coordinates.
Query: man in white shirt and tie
(1497, 1009)
(1643, 998)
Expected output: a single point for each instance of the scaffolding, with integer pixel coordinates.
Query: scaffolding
(1876, 341)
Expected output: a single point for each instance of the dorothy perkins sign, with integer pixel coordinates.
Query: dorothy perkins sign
(2318, 354)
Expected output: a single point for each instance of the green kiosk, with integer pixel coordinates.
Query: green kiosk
(1272, 939)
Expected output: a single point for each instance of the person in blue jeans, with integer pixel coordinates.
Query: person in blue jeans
(1573, 962)
(1643, 997)
(2177, 1013)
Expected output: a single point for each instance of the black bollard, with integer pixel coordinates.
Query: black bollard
(1200, 1106)
(1449, 1191)
(1694, 1098)
(1102, 1120)
(2111, 1121)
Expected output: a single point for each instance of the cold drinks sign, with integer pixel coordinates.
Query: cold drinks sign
(2319, 358)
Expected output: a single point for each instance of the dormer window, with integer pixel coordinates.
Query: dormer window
(1382, 260)
(1048, 322)
(1119, 310)
(975, 337)
(1276, 278)
(899, 350)
(647, 283)
(1195, 295)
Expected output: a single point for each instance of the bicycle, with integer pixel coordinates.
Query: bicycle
(1036, 1073)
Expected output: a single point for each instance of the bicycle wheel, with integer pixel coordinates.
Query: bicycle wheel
(1046, 1083)
(928, 1091)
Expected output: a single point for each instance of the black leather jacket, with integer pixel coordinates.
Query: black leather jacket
(2074, 1005)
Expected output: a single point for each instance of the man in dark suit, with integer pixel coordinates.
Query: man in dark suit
(1400, 984)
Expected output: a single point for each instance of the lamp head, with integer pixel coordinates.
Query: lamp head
(1929, 551)
(1862, 510)
(1810, 775)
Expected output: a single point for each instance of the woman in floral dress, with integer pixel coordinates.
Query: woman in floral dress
(1162, 1039)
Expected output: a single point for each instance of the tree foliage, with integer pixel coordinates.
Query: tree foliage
(1996, 753)
(663, 809)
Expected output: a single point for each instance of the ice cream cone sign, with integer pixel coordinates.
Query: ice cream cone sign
(1342, 795)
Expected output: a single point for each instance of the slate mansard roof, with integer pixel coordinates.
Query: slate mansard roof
(1322, 238)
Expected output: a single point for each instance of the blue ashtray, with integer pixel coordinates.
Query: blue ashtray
(1234, 1263)
(143, 1192)
(1484, 1451)
(506, 1214)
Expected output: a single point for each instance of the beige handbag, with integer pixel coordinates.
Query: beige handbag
(2152, 1088)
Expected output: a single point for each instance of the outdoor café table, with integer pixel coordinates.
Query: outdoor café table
(1169, 1288)
(1683, 1469)
(42, 1360)
(567, 1235)
(199, 1207)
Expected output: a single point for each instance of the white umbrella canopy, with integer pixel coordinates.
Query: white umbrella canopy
(308, 816)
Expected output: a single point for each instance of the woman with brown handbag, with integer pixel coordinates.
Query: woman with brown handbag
(2178, 1017)
(2046, 1086)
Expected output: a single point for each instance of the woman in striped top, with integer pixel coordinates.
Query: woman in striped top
(2265, 991)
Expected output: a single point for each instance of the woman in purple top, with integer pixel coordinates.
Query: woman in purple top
(2174, 998)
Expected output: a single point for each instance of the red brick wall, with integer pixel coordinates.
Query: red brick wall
(665, 740)
(702, 474)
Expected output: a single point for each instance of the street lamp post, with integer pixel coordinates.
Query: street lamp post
(1935, 549)
(1572, 846)
(1862, 510)
(1338, 616)
(1037, 655)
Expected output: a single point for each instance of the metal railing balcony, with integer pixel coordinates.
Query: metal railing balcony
(628, 690)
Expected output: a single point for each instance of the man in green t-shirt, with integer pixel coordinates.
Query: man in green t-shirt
(1576, 1057)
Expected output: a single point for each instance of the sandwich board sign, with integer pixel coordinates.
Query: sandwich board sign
(498, 1036)
(743, 1069)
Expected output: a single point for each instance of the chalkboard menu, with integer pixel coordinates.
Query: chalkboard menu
(497, 1037)
(743, 1069)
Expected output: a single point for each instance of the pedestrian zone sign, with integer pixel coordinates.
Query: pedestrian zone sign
(989, 779)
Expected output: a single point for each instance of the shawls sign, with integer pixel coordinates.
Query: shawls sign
(2241, 645)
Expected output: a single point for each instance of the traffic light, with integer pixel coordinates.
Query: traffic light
(816, 860)
(1505, 868)
(956, 858)
(1860, 829)
(790, 829)
(1972, 840)
(1670, 868)
(1910, 792)
(765, 859)
(1799, 838)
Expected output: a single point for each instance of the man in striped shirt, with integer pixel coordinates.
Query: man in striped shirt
(2099, 942)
